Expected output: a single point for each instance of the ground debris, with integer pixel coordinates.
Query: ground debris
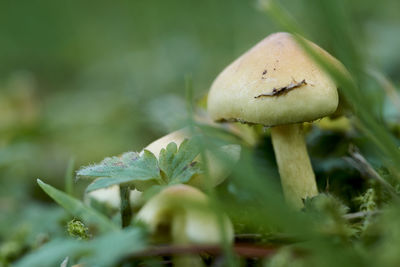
(284, 90)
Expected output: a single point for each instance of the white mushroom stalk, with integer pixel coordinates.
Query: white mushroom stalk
(277, 84)
(183, 210)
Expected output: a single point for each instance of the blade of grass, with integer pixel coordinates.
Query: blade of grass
(69, 177)
(78, 209)
(210, 190)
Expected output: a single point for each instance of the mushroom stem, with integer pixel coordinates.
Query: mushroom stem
(297, 175)
(178, 229)
(179, 238)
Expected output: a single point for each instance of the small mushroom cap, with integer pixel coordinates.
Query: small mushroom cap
(274, 83)
(198, 225)
(177, 137)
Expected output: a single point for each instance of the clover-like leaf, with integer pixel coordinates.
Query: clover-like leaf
(175, 165)
(178, 165)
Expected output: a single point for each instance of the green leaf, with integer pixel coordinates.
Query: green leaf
(186, 173)
(129, 167)
(109, 249)
(104, 251)
(69, 177)
(110, 166)
(78, 209)
(178, 165)
(52, 253)
(106, 182)
(146, 167)
(152, 191)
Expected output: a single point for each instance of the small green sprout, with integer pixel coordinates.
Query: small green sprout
(367, 200)
(78, 230)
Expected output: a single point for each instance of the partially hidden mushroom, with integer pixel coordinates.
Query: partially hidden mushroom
(180, 214)
(277, 84)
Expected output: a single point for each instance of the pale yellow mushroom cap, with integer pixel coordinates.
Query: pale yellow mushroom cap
(277, 62)
(180, 204)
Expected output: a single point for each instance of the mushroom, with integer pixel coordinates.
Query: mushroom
(180, 212)
(277, 84)
(217, 169)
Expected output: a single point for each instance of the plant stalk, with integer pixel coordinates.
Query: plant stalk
(126, 211)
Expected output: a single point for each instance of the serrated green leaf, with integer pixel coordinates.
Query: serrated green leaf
(129, 167)
(166, 158)
(110, 166)
(103, 251)
(177, 164)
(78, 209)
(187, 173)
(146, 167)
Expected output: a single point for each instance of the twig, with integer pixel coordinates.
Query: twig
(245, 250)
(387, 85)
(248, 236)
(366, 170)
(360, 214)
(284, 90)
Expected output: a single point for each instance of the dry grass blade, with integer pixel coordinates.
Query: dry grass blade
(362, 165)
(360, 214)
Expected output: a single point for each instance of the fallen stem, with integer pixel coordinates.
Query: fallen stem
(360, 214)
(244, 250)
(366, 170)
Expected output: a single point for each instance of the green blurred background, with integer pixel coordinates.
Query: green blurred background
(90, 80)
(86, 80)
